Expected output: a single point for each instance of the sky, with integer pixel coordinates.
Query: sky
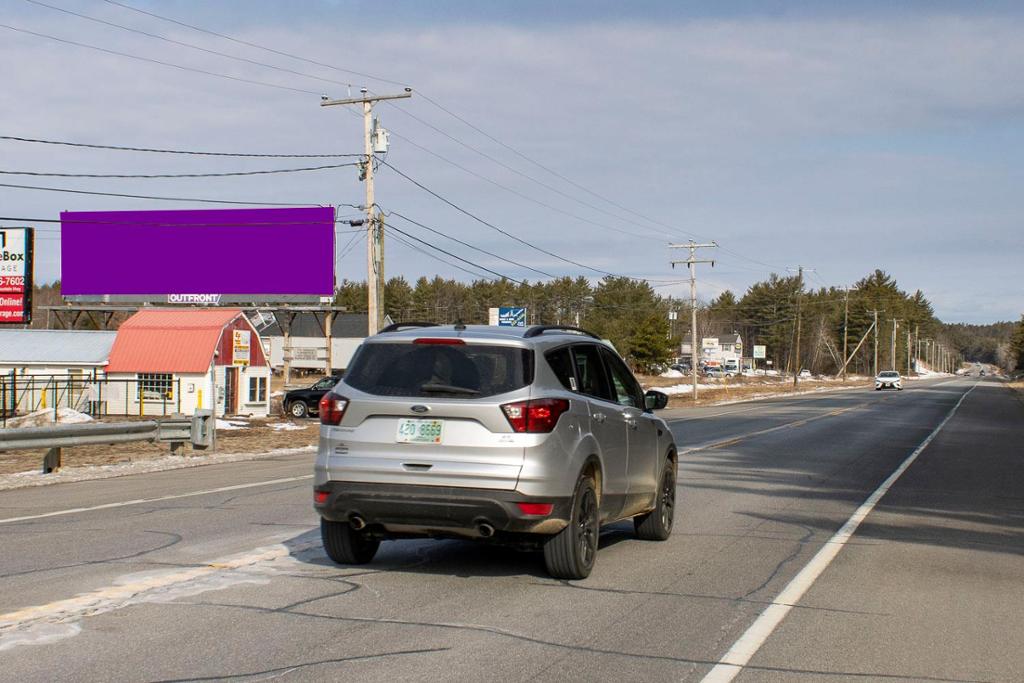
(841, 137)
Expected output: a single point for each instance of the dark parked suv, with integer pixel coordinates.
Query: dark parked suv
(303, 402)
(532, 437)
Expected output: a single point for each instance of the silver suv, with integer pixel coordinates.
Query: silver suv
(533, 437)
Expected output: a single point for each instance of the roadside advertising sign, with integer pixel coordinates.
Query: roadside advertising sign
(512, 316)
(759, 351)
(198, 256)
(709, 343)
(240, 347)
(16, 275)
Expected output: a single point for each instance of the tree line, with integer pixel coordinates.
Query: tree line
(636, 318)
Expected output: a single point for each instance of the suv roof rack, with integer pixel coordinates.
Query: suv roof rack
(537, 330)
(395, 327)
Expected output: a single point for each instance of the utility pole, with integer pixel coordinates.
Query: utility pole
(692, 264)
(917, 345)
(846, 324)
(796, 352)
(374, 233)
(892, 352)
(875, 325)
(908, 354)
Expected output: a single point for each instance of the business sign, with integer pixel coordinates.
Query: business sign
(16, 275)
(511, 316)
(759, 351)
(240, 347)
(709, 343)
(206, 256)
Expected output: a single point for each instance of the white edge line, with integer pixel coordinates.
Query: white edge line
(142, 501)
(744, 649)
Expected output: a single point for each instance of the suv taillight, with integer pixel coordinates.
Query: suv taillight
(332, 408)
(537, 416)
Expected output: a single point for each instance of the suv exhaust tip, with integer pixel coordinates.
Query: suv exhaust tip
(357, 522)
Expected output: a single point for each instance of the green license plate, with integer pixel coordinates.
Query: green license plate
(419, 431)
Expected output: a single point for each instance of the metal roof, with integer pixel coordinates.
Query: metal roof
(169, 340)
(305, 324)
(55, 347)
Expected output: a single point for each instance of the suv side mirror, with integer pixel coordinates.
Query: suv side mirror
(655, 400)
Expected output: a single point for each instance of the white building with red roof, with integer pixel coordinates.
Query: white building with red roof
(182, 360)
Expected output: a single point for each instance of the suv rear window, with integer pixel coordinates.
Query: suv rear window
(440, 370)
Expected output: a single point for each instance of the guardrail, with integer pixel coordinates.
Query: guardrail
(199, 430)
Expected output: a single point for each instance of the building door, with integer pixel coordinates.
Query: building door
(230, 391)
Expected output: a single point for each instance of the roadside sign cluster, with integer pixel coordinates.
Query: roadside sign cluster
(16, 275)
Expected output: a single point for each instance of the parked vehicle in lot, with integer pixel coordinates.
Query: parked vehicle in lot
(681, 367)
(531, 437)
(302, 402)
(888, 379)
(714, 371)
(805, 374)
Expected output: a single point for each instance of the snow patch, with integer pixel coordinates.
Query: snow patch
(286, 426)
(229, 425)
(672, 374)
(45, 418)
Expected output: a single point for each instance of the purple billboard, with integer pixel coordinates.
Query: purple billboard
(198, 256)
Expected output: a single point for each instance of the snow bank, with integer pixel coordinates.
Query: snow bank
(672, 374)
(228, 425)
(44, 418)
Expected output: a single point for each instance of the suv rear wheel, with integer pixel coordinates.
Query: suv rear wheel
(656, 525)
(345, 545)
(570, 553)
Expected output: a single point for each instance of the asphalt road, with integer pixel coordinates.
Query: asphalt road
(174, 576)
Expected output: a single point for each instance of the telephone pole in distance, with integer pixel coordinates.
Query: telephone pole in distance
(692, 262)
(799, 296)
(374, 231)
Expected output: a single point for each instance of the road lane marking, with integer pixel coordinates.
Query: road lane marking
(744, 649)
(785, 425)
(42, 624)
(143, 501)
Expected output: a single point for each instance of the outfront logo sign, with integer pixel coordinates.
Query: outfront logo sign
(209, 299)
(16, 275)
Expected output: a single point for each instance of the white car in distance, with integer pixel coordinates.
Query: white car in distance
(888, 379)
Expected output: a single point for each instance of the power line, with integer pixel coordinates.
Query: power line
(562, 177)
(455, 256)
(517, 193)
(178, 151)
(242, 224)
(189, 45)
(160, 62)
(253, 45)
(155, 198)
(495, 227)
(521, 174)
(467, 244)
(437, 258)
(176, 175)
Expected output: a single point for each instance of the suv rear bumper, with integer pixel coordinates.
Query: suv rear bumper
(417, 510)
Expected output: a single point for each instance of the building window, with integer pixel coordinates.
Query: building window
(257, 389)
(155, 386)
